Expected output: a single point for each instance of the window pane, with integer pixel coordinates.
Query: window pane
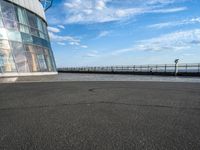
(21, 16)
(34, 31)
(32, 58)
(6, 61)
(42, 35)
(32, 20)
(1, 63)
(23, 28)
(20, 57)
(44, 28)
(9, 24)
(26, 38)
(1, 22)
(8, 10)
(4, 44)
(39, 24)
(48, 60)
(14, 35)
(3, 34)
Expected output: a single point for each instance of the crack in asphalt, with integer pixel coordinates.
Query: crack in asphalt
(100, 102)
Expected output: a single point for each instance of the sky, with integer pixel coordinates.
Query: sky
(124, 32)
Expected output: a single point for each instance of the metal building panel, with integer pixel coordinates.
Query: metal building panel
(32, 5)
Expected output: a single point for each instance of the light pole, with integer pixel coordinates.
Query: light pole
(176, 66)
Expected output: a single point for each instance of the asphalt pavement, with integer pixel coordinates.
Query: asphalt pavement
(100, 116)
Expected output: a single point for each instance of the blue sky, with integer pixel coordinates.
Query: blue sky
(124, 32)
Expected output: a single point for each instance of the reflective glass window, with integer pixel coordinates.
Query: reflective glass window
(37, 41)
(8, 10)
(34, 31)
(48, 59)
(42, 35)
(7, 63)
(32, 20)
(1, 63)
(10, 24)
(3, 34)
(1, 22)
(44, 28)
(23, 28)
(21, 16)
(0, 7)
(26, 38)
(4, 44)
(32, 58)
(19, 57)
(41, 58)
(39, 24)
(14, 35)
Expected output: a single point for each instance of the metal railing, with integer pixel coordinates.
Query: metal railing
(165, 68)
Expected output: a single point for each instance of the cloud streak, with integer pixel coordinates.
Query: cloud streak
(175, 41)
(100, 11)
(176, 23)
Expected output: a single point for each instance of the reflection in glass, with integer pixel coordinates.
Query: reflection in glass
(3, 34)
(9, 24)
(32, 58)
(48, 60)
(7, 63)
(26, 38)
(1, 21)
(21, 16)
(32, 20)
(1, 63)
(23, 28)
(8, 10)
(4, 44)
(19, 57)
(24, 41)
(42, 63)
(14, 35)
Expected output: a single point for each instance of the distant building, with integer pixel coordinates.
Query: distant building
(25, 47)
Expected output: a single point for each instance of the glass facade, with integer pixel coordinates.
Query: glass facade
(24, 41)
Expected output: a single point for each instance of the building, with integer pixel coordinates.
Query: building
(25, 47)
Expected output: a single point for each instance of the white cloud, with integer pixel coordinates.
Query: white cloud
(92, 54)
(59, 38)
(98, 11)
(61, 26)
(161, 1)
(100, 5)
(169, 10)
(84, 46)
(61, 43)
(53, 29)
(181, 40)
(103, 34)
(175, 23)
(74, 43)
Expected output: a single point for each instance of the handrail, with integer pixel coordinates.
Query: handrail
(182, 68)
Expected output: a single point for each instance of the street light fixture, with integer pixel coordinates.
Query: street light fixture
(176, 66)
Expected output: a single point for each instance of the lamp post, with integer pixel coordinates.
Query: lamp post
(176, 66)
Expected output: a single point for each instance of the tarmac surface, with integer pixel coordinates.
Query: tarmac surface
(100, 116)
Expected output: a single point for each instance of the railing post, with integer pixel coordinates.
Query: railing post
(186, 67)
(165, 68)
